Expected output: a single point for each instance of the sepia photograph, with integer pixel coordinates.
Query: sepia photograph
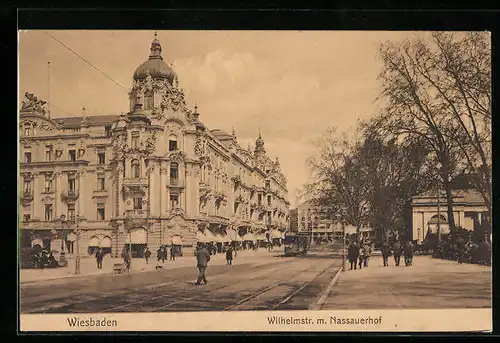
(254, 180)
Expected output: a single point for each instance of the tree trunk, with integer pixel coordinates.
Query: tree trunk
(449, 204)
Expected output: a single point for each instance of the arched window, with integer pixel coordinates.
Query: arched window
(136, 169)
(148, 100)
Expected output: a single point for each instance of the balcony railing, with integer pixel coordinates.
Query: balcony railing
(175, 182)
(27, 195)
(136, 213)
(70, 195)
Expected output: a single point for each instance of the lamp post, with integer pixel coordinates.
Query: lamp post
(78, 233)
(62, 258)
(343, 248)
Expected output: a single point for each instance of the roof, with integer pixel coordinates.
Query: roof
(98, 120)
(220, 134)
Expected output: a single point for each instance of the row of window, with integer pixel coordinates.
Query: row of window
(72, 156)
(101, 216)
(29, 131)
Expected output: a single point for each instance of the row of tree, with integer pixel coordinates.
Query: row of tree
(434, 134)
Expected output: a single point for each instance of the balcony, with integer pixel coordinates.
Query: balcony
(27, 196)
(136, 213)
(70, 195)
(175, 183)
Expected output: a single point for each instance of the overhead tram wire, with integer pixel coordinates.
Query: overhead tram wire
(87, 61)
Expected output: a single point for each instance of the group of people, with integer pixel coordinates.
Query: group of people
(43, 259)
(397, 250)
(162, 253)
(359, 253)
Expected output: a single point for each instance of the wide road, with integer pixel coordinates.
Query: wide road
(280, 283)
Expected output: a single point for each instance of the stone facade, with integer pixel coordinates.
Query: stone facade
(156, 175)
(469, 210)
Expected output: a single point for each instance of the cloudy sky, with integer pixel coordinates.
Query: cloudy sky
(291, 85)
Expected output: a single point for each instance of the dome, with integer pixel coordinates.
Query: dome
(155, 65)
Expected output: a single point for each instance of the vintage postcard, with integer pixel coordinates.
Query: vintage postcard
(255, 181)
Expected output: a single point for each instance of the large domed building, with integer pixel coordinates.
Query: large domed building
(154, 176)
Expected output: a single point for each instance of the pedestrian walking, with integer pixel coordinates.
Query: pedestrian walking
(408, 253)
(397, 252)
(159, 254)
(172, 253)
(99, 255)
(461, 249)
(367, 251)
(202, 259)
(229, 256)
(147, 254)
(361, 256)
(386, 252)
(127, 258)
(352, 253)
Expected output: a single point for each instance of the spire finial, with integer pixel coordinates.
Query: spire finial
(156, 34)
(155, 48)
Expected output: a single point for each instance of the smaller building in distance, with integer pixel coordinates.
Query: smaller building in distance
(314, 219)
(430, 215)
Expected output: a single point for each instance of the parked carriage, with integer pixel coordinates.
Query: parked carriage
(296, 245)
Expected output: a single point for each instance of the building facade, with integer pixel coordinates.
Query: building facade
(314, 219)
(430, 213)
(156, 175)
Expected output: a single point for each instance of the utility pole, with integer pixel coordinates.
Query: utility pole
(48, 88)
(343, 248)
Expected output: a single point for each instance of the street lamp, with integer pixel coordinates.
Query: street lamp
(62, 257)
(78, 233)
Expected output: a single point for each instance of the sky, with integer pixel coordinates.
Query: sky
(290, 85)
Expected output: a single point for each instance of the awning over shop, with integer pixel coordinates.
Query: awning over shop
(233, 235)
(176, 240)
(260, 237)
(209, 236)
(106, 242)
(276, 234)
(94, 241)
(223, 238)
(137, 236)
(249, 237)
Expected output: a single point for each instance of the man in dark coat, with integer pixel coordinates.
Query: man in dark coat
(99, 255)
(172, 253)
(229, 256)
(147, 254)
(386, 252)
(353, 253)
(408, 252)
(159, 254)
(397, 252)
(202, 259)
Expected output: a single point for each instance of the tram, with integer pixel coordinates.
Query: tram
(296, 245)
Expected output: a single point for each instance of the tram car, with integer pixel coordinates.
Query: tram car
(296, 245)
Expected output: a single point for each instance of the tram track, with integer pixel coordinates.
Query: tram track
(284, 299)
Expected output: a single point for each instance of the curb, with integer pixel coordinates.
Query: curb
(319, 303)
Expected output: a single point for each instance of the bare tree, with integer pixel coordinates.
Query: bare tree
(340, 184)
(416, 109)
(395, 171)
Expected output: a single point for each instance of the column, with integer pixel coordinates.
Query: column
(163, 189)
(118, 189)
(154, 210)
(57, 191)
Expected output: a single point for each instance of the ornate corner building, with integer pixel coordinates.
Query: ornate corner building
(156, 175)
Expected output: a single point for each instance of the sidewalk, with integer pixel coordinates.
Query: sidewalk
(88, 265)
(428, 283)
